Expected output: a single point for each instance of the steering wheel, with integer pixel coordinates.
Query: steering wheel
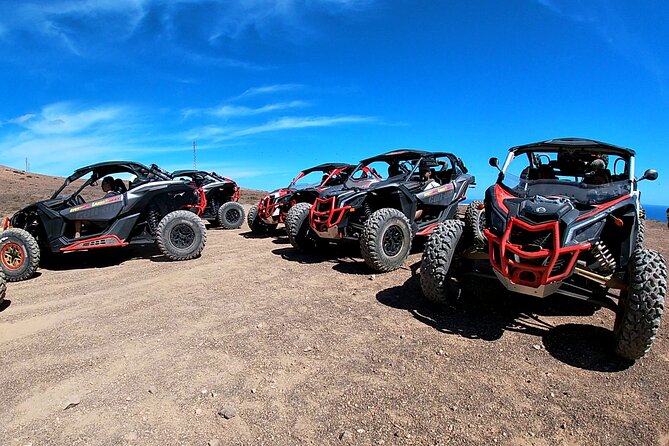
(76, 200)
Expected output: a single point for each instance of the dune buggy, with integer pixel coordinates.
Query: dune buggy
(273, 208)
(563, 216)
(150, 207)
(386, 201)
(222, 196)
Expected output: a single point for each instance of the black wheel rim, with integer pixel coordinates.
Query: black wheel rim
(232, 215)
(182, 236)
(393, 239)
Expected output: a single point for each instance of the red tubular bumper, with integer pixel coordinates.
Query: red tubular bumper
(324, 215)
(534, 267)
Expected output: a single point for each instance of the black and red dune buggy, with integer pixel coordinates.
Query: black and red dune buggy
(149, 208)
(222, 196)
(387, 200)
(564, 217)
(273, 208)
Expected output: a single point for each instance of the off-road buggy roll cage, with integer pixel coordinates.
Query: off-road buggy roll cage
(142, 174)
(273, 207)
(366, 190)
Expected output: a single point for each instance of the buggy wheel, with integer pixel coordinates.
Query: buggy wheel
(256, 225)
(641, 306)
(230, 215)
(386, 240)
(297, 227)
(475, 223)
(181, 235)
(19, 254)
(436, 270)
(3, 287)
(641, 230)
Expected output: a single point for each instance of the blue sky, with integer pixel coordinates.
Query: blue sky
(268, 87)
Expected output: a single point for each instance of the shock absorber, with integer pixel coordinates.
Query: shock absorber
(603, 256)
(367, 209)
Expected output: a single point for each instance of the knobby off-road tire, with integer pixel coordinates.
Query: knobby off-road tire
(474, 224)
(181, 235)
(641, 306)
(19, 254)
(3, 287)
(435, 270)
(386, 240)
(297, 227)
(641, 232)
(256, 225)
(230, 215)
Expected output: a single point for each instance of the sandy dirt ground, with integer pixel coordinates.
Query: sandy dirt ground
(121, 347)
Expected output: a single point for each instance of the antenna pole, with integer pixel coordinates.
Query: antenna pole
(194, 155)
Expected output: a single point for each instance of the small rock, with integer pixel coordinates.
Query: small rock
(536, 347)
(552, 395)
(401, 336)
(198, 411)
(214, 443)
(153, 390)
(308, 349)
(71, 402)
(360, 431)
(203, 391)
(441, 352)
(563, 425)
(346, 436)
(227, 412)
(372, 277)
(253, 390)
(260, 325)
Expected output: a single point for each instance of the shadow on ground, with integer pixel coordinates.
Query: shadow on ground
(101, 258)
(5, 304)
(488, 317)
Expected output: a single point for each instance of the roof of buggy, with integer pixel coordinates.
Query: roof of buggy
(573, 144)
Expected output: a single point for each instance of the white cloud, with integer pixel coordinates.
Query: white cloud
(303, 122)
(237, 111)
(22, 118)
(268, 89)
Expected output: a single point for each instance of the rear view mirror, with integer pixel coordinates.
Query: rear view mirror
(494, 162)
(650, 174)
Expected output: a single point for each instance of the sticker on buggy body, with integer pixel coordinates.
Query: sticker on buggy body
(97, 203)
(438, 190)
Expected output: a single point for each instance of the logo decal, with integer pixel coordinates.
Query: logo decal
(97, 203)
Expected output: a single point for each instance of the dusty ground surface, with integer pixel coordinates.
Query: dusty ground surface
(308, 350)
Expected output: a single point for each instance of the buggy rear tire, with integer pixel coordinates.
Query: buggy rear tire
(436, 270)
(230, 215)
(181, 235)
(297, 227)
(641, 306)
(3, 287)
(386, 240)
(641, 230)
(19, 254)
(474, 224)
(256, 225)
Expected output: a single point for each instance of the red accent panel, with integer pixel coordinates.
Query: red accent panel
(322, 220)
(93, 243)
(601, 207)
(500, 196)
(428, 230)
(503, 255)
(5, 224)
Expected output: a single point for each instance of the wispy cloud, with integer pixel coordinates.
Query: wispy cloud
(237, 111)
(304, 122)
(81, 26)
(268, 89)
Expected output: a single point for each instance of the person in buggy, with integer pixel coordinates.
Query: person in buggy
(110, 187)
